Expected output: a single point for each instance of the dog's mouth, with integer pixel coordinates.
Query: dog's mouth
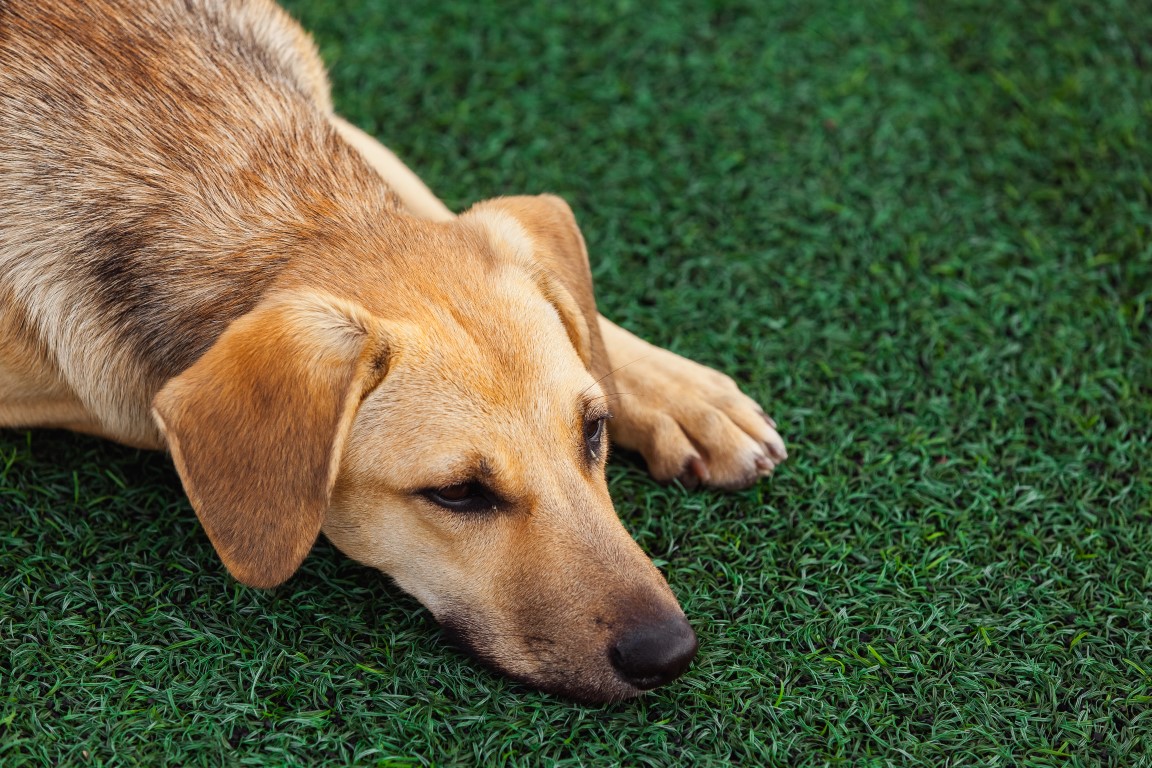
(606, 667)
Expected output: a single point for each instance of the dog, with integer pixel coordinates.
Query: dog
(198, 256)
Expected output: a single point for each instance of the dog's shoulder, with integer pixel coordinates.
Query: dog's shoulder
(269, 40)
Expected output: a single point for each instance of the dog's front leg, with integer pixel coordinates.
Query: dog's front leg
(688, 421)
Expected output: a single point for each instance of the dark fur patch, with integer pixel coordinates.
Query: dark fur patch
(170, 334)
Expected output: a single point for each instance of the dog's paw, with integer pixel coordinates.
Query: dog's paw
(692, 423)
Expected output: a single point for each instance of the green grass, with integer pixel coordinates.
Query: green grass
(919, 233)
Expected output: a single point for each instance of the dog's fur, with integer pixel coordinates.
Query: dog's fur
(197, 255)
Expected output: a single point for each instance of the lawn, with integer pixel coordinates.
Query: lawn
(919, 232)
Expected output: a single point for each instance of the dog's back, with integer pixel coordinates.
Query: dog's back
(158, 165)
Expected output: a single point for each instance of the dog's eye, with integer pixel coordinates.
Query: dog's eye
(594, 436)
(462, 497)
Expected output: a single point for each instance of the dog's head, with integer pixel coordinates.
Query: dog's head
(439, 411)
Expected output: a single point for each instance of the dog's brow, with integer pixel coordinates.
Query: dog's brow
(464, 470)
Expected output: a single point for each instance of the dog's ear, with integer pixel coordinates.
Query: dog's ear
(559, 257)
(257, 425)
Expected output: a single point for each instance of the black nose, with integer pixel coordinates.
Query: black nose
(653, 654)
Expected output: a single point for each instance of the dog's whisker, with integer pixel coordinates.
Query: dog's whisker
(614, 370)
(611, 395)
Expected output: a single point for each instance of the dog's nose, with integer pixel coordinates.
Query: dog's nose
(653, 654)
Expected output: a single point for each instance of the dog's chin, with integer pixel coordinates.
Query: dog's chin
(589, 679)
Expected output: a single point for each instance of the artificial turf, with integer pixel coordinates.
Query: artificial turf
(919, 232)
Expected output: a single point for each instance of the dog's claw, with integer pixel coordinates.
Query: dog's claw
(694, 473)
(775, 446)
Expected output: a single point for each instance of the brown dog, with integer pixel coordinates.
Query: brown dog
(197, 255)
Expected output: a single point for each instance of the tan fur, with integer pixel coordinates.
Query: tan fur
(197, 255)
(415, 193)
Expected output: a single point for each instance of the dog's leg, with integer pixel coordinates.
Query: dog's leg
(688, 421)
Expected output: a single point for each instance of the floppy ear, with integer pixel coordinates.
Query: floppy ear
(257, 425)
(565, 277)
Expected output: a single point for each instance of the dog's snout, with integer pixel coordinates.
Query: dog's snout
(654, 653)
